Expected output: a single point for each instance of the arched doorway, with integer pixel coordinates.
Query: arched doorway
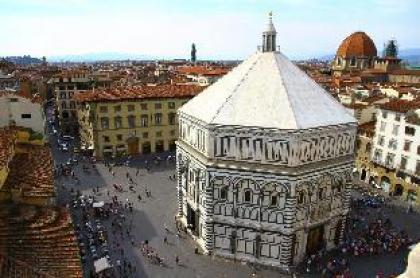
(172, 146)
(385, 183)
(399, 189)
(159, 147)
(146, 148)
(133, 145)
(315, 240)
(363, 175)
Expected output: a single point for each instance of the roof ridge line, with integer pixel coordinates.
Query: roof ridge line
(233, 91)
(284, 85)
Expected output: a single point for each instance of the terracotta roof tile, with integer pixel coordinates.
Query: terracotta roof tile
(357, 44)
(31, 172)
(139, 92)
(401, 106)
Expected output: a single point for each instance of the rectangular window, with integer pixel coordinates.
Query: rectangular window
(103, 109)
(403, 163)
(395, 129)
(383, 126)
(26, 116)
(144, 120)
(63, 105)
(410, 130)
(143, 106)
(158, 133)
(173, 132)
(119, 137)
(171, 105)
(117, 108)
(130, 107)
(105, 123)
(273, 201)
(158, 118)
(384, 114)
(13, 99)
(145, 135)
(377, 156)
(407, 145)
(118, 122)
(72, 105)
(381, 140)
(106, 139)
(389, 160)
(63, 95)
(158, 105)
(397, 117)
(392, 144)
(131, 121)
(172, 118)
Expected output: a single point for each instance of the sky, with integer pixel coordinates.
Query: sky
(221, 29)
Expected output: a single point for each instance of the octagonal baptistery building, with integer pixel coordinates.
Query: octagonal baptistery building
(264, 163)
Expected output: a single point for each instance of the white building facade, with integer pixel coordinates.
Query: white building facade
(396, 144)
(21, 111)
(264, 163)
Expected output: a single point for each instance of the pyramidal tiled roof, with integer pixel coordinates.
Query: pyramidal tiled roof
(267, 90)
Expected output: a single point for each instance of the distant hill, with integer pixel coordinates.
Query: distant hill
(23, 60)
(102, 56)
(409, 55)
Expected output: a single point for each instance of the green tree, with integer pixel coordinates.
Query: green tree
(391, 49)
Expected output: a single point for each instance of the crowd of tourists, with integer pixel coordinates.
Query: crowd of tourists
(105, 229)
(369, 232)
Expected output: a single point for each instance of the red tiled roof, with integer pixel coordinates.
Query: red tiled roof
(202, 70)
(43, 237)
(7, 138)
(33, 98)
(357, 44)
(401, 106)
(31, 172)
(369, 126)
(405, 72)
(139, 92)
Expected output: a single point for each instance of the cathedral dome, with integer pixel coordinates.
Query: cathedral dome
(357, 44)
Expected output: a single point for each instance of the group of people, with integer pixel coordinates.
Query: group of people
(367, 234)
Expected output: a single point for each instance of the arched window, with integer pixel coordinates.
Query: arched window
(247, 196)
(321, 193)
(223, 193)
(301, 197)
(273, 200)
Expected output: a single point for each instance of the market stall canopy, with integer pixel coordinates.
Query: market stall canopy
(101, 265)
(98, 204)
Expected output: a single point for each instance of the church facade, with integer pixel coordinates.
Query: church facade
(264, 163)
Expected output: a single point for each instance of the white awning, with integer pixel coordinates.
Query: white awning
(101, 264)
(98, 204)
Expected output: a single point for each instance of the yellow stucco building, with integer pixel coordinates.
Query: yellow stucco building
(131, 120)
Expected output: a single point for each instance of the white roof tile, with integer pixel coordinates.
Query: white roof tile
(269, 91)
